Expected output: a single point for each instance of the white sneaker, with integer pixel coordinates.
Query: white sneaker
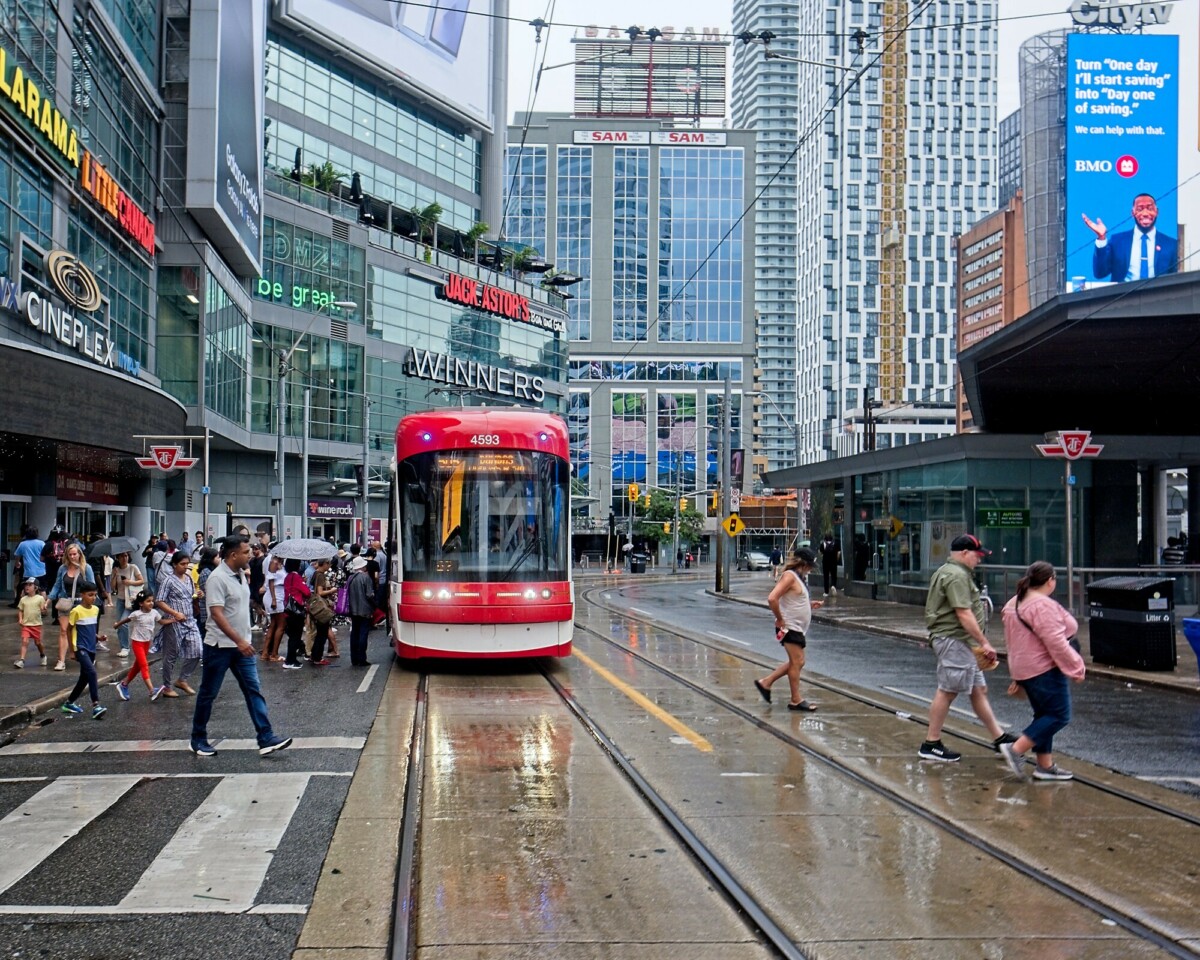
(19, 664)
(60, 666)
(833, 591)
(123, 652)
(45, 660)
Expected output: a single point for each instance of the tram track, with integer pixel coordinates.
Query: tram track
(403, 940)
(1145, 931)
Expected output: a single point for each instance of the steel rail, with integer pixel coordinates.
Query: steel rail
(717, 871)
(404, 945)
(1131, 925)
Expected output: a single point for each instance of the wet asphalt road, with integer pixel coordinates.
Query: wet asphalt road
(1141, 731)
(70, 903)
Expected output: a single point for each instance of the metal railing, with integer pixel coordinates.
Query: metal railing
(1001, 581)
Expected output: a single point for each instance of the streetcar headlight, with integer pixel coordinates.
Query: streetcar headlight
(547, 593)
(443, 594)
(426, 436)
(530, 595)
(544, 437)
(427, 594)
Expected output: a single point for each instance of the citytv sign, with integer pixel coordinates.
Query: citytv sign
(1119, 16)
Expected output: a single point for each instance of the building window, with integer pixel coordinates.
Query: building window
(573, 234)
(629, 439)
(676, 435)
(700, 245)
(525, 197)
(226, 330)
(579, 429)
(631, 242)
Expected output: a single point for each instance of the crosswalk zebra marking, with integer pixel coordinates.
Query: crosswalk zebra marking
(219, 857)
(145, 746)
(101, 910)
(51, 817)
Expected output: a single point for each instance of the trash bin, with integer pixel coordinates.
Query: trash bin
(1191, 630)
(1132, 622)
(637, 563)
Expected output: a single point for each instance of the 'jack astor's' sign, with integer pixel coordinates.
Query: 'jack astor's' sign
(485, 297)
(471, 375)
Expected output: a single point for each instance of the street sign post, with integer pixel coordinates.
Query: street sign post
(1071, 445)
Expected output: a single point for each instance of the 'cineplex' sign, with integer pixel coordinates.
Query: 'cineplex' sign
(22, 97)
(472, 375)
(79, 288)
(496, 301)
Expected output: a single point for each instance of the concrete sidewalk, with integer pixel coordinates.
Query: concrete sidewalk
(35, 689)
(907, 622)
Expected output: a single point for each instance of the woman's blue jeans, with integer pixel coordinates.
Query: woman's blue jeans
(1050, 697)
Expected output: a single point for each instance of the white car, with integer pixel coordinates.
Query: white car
(754, 561)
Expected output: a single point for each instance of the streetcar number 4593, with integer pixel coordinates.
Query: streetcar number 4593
(486, 440)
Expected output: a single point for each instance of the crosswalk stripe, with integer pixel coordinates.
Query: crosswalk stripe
(219, 858)
(51, 817)
(146, 746)
(98, 910)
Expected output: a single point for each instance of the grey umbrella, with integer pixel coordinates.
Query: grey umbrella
(305, 548)
(111, 546)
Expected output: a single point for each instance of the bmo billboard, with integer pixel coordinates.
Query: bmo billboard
(1122, 117)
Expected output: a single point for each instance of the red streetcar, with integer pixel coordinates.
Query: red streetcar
(481, 507)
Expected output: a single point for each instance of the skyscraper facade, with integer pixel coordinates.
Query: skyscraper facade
(766, 99)
(903, 151)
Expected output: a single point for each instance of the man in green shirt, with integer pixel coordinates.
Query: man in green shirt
(954, 616)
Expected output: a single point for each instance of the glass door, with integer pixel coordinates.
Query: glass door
(12, 522)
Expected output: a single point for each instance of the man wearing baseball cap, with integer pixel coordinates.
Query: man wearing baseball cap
(955, 618)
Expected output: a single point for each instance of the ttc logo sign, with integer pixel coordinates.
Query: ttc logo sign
(166, 458)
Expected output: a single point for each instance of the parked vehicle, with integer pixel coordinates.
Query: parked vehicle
(754, 561)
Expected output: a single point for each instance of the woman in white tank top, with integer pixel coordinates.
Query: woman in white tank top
(793, 608)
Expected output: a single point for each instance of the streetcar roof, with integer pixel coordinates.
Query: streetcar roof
(465, 428)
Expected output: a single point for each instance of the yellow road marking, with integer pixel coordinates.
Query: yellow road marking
(678, 726)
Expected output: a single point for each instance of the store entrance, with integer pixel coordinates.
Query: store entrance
(13, 517)
(337, 530)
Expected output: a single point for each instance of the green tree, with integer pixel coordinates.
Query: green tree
(324, 176)
(650, 520)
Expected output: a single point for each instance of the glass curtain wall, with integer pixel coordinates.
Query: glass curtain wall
(573, 235)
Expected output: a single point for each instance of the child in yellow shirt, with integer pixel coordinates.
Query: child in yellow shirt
(30, 608)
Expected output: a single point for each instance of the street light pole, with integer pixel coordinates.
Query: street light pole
(366, 471)
(281, 409)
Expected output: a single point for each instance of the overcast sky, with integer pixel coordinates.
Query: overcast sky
(1023, 19)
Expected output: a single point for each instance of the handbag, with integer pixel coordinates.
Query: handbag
(318, 609)
(341, 603)
(293, 607)
(64, 604)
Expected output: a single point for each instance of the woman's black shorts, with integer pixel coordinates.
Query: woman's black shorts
(794, 636)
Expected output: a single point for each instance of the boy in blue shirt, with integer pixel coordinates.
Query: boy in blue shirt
(83, 620)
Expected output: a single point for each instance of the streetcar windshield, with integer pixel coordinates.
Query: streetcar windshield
(484, 515)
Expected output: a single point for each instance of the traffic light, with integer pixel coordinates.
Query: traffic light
(633, 493)
(667, 526)
(712, 504)
(646, 500)
(683, 504)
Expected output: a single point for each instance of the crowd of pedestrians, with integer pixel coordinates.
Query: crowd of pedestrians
(1043, 655)
(198, 607)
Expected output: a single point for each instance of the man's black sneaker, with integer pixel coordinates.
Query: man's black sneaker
(934, 750)
(1003, 738)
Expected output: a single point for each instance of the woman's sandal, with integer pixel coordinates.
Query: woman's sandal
(803, 706)
(765, 692)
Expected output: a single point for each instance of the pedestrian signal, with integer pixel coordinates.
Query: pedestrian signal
(633, 493)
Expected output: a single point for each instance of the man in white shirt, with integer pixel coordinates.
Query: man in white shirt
(227, 647)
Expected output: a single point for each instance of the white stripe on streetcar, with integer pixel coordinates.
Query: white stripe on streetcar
(721, 636)
(144, 746)
(51, 817)
(362, 687)
(220, 856)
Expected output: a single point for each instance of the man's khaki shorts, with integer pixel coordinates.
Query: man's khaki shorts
(957, 671)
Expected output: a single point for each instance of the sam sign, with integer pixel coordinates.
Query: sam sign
(1122, 158)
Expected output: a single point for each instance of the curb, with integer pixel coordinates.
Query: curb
(1093, 668)
(27, 711)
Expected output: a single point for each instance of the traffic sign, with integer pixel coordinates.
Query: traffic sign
(205, 491)
(735, 499)
(1014, 518)
(733, 525)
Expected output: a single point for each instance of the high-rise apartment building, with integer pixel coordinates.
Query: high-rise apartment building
(766, 99)
(902, 153)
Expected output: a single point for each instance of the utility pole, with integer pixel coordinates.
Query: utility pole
(724, 482)
(365, 512)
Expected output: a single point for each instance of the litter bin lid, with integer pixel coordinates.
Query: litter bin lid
(1130, 583)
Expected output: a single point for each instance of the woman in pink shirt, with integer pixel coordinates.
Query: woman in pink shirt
(1038, 634)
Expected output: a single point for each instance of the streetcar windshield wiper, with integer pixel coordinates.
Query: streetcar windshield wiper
(523, 555)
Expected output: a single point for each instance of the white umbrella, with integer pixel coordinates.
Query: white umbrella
(306, 548)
